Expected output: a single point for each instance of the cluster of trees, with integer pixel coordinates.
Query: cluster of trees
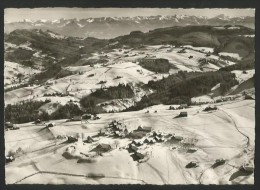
(23, 112)
(16, 87)
(51, 72)
(226, 85)
(55, 70)
(181, 87)
(101, 95)
(20, 55)
(54, 94)
(156, 65)
(28, 112)
(64, 73)
(67, 111)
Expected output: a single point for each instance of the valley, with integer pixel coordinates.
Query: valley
(164, 104)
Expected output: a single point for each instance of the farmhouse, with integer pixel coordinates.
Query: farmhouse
(9, 159)
(89, 140)
(117, 133)
(37, 121)
(158, 139)
(183, 106)
(154, 134)
(72, 139)
(139, 155)
(126, 132)
(102, 148)
(76, 118)
(133, 148)
(50, 124)
(49, 82)
(146, 129)
(182, 51)
(177, 138)
(137, 143)
(209, 108)
(102, 132)
(183, 114)
(86, 116)
(248, 97)
(9, 125)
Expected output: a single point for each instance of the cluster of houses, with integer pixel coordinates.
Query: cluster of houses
(140, 132)
(52, 124)
(182, 106)
(140, 136)
(101, 148)
(84, 117)
(152, 137)
(9, 159)
(224, 99)
(116, 129)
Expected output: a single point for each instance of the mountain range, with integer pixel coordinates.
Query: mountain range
(110, 27)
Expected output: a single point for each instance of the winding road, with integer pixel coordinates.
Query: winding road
(236, 127)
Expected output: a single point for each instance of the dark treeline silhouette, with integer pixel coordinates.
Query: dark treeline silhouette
(156, 65)
(181, 87)
(23, 112)
(54, 94)
(28, 112)
(67, 111)
(101, 95)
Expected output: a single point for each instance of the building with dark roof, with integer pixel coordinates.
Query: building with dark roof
(102, 148)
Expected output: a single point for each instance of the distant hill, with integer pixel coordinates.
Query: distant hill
(42, 48)
(49, 51)
(232, 39)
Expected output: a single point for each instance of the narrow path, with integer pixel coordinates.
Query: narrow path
(158, 173)
(77, 175)
(234, 122)
(180, 169)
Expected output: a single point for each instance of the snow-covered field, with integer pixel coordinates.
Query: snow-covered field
(12, 70)
(227, 133)
(233, 55)
(242, 76)
(121, 63)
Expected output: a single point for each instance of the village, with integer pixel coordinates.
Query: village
(139, 141)
(168, 99)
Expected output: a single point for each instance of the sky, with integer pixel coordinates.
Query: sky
(15, 15)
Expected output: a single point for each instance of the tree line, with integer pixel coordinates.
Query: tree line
(29, 111)
(181, 87)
